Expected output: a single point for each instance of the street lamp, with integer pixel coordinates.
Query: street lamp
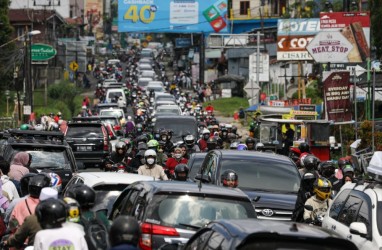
(7, 94)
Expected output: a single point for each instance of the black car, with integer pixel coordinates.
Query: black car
(90, 142)
(270, 180)
(105, 119)
(180, 125)
(260, 234)
(172, 211)
(49, 150)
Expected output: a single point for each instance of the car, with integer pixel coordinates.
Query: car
(148, 74)
(49, 150)
(89, 141)
(100, 106)
(356, 211)
(108, 185)
(114, 94)
(166, 102)
(107, 82)
(194, 163)
(117, 112)
(260, 234)
(146, 60)
(143, 82)
(147, 52)
(156, 89)
(105, 119)
(180, 125)
(168, 110)
(172, 211)
(270, 180)
(113, 61)
(144, 66)
(164, 97)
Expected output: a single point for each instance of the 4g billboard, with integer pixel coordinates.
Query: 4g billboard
(177, 16)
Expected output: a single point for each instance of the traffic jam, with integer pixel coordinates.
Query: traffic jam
(163, 152)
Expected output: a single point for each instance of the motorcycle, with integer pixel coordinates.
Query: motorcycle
(318, 216)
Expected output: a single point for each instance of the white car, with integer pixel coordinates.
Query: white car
(356, 211)
(108, 185)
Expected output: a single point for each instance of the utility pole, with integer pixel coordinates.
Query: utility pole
(355, 103)
(201, 59)
(257, 66)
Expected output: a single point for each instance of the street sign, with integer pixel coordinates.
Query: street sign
(183, 42)
(263, 67)
(357, 69)
(329, 46)
(73, 66)
(27, 110)
(42, 52)
(360, 69)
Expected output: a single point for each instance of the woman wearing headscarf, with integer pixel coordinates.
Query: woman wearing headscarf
(19, 166)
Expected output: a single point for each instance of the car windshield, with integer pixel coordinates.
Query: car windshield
(143, 83)
(168, 111)
(156, 89)
(48, 158)
(264, 175)
(165, 98)
(179, 127)
(84, 131)
(190, 211)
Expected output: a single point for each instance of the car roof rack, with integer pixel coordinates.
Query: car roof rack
(36, 135)
(91, 119)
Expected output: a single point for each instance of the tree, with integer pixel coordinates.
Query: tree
(375, 7)
(8, 53)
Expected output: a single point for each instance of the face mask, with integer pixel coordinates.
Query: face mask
(177, 156)
(206, 137)
(164, 138)
(150, 161)
(160, 150)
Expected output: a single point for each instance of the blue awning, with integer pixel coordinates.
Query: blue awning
(252, 108)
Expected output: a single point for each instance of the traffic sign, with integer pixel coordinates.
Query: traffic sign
(73, 66)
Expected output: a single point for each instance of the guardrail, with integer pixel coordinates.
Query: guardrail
(7, 122)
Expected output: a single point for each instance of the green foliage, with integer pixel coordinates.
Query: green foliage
(228, 106)
(55, 107)
(65, 92)
(376, 31)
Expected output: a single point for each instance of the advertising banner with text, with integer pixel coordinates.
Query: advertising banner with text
(355, 27)
(293, 35)
(337, 96)
(94, 17)
(176, 16)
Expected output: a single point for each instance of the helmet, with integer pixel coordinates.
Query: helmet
(51, 213)
(181, 172)
(120, 145)
(149, 154)
(326, 169)
(59, 113)
(259, 146)
(39, 127)
(242, 147)
(310, 162)
(24, 183)
(342, 163)
(124, 230)
(322, 188)
(233, 145)
(250, 140)
(211, 143)
(82, 193)
(163, 135)
(348, 170)
(229, 175)
(304, 147)
(24, 127)
(189, 140)
(36, 183)
(73, 208)
(55, 181)
(153, 144)
(206, 134)
(307, 181)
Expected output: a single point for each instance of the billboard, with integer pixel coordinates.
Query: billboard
(355, 27)
(94, 18)
(337, 96)
(293, 35)
(176, 16)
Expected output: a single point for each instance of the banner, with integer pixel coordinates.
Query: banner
(94, 18)
(355, 27)
(177, 16)
(337, 96)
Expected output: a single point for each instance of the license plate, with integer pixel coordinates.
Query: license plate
(84, 148)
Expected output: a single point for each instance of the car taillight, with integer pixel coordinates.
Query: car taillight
(145, 242)
(105, 140)
(117, 127)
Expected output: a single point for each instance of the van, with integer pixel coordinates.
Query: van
(114, 94)
(143, 82)
(180, 125)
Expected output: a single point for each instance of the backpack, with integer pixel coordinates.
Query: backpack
(241, 114)
(96, 233)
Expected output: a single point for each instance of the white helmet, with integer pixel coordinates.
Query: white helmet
(39, 127)
(150, 152)
(206, 131)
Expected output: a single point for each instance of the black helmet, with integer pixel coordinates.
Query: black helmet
(327, 169)
(343, 163)
(211, 143)
(51, 213)
(307, 181)
(310, 162)
(304, 148)
(229, 175)
(36, 183)
(250, 140)
(24, 183)
(82, 193)
(179, 169)
(124, 230)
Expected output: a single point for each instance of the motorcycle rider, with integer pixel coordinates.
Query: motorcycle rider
(172, 162)
(192, 147)
(320, 201)
(118, 156)
(124, 233)
(181, 172)
(250, 142)
(304, 193)
(203, 141)
(304, 151)
(229, 178)
(211, 143)
(310, 165)
(327, 170)
(150, 168)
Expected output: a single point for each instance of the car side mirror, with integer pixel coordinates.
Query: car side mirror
(308, 207)
(358, 228)
(203, 178)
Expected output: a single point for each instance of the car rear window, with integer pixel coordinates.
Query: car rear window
(84, 131)
(264, 175)
(180, 127)
(115, 113)
(191, 211)
(113, 95)
(165, 98)
(110, 121)
(47, 158)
